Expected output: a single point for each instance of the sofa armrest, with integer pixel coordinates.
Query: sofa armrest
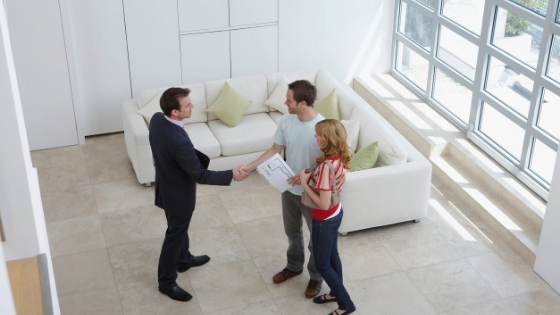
(137, 141)
(386, 195)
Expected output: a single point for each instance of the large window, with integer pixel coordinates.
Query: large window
(492, 67)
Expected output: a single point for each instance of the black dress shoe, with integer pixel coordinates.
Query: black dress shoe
(176, 293)
(195, 262)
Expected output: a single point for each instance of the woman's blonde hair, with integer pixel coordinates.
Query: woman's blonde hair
(333, 134)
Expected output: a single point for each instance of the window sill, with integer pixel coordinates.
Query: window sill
(460, 169)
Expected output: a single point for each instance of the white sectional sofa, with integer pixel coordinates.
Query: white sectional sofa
(395, 190)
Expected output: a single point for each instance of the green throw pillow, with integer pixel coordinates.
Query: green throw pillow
(365, 158)
(230, 106)
(328, 106)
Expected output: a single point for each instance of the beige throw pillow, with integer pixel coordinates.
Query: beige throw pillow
(328, 106)
(230, 106)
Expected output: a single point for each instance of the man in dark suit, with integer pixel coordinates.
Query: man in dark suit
(179, 166)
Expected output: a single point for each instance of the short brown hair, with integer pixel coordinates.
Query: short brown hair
(303, 91)
(170, 99)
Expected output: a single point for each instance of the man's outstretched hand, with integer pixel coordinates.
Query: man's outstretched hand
(239, 173)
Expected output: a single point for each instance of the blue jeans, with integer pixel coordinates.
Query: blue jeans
(327, 260)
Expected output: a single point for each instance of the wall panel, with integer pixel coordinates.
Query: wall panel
(42, 72)
(205, 57)
(254, 51)
(152, 29)
(101, 57)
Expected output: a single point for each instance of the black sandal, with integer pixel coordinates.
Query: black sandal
(322, 299)
(348, 311)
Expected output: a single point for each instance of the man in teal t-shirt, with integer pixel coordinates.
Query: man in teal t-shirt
(296, 134)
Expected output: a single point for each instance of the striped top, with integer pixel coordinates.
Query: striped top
(321, 180)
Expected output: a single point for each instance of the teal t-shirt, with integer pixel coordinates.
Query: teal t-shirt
(301, 146)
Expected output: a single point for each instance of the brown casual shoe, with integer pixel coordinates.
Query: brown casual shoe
(285, 275)
(313, 288)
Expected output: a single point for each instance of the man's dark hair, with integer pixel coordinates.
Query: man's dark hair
(170, 99)
(303, 91)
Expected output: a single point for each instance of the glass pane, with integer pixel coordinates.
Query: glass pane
(457, 52)
(537, 6)
(553, 67)
(542, 161)
(416, 26)
(550, 114)
(467, 13)
(413, 66)
(429, 3)
(501, 130)
(517, 37)
(452, 95)
(510, 87)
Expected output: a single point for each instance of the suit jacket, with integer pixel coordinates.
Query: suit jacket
(179, 166)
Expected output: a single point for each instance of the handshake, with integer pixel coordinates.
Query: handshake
(240, 172)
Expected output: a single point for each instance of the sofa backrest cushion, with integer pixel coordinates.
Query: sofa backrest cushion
(197, 95)
(274, 78)
(373, 128)
(252, 88)
(325, 83)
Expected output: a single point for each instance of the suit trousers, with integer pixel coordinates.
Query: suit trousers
(175, 249)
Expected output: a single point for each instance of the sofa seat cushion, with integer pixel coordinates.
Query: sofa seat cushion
(203, 139)
(276, 116)
(252, 134)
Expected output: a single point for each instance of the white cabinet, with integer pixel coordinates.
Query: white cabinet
(42, 72)
(99, 42)
(152, 29)
(254, 51)
(205, 56)
(202, 15)
(246, 12)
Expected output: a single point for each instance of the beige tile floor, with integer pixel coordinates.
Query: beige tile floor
(105, 236)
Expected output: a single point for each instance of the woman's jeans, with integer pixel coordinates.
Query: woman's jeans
(327, 260)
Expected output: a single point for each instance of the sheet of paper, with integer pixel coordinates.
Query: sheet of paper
(277, 172)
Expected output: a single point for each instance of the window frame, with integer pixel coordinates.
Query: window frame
(487, 50)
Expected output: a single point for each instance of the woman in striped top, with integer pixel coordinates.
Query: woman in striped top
(331, 137)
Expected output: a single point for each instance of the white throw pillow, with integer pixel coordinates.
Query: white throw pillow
(151, 108)
(278, 97)
(352, 132)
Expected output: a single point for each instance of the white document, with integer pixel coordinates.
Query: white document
(277, 172)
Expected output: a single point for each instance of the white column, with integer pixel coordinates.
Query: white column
(20, 200)
(548, 253)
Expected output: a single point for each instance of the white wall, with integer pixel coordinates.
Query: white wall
(20, 199)
(548, 254)
(42, 72)
(348, 38)
(358, 37)
(301, 35)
